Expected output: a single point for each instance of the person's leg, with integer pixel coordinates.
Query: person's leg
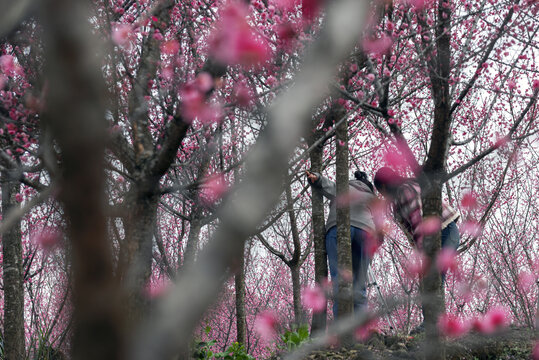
(331, 249)
(360, 265)
(450, 240)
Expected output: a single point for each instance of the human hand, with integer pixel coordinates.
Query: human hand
(312, 177)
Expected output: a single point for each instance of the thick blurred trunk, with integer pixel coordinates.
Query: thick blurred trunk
(344, 247)
(13, 336)
(319, 230)
(75, 115)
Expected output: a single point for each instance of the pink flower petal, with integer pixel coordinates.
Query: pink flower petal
(266, 325)
(123, 35)
(447, 260)
(469, 200)
(364, 332)
(416, 264)
(535, 351)
(235, 42)
(214, 188)
(451, 326)
(314, 298)
(429, 226)
(48, 239)
(526, 280)
(471, 228)
(379, 46)
(170, 47)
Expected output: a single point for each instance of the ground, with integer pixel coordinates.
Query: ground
(512, 343)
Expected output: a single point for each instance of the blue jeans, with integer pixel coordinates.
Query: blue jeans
(450, 239)
(360, 264)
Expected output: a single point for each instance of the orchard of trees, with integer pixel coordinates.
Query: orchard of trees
(153, 157)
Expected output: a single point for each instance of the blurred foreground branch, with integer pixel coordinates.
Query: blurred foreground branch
(172, 325)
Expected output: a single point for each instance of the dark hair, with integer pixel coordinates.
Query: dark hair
(362, 176)
(389, 178)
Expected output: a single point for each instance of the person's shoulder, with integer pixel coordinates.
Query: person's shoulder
(360, 186)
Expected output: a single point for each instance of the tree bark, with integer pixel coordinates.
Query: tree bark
(320, 259)
(295, 264)
(344, 247)
(239, 283)
(75, 115)
(433, 171)
(13, 276)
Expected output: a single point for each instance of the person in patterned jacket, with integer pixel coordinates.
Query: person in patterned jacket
(405, 197)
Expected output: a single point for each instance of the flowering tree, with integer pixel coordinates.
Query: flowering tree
(159, 135)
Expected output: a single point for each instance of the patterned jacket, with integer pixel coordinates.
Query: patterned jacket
(408, 211)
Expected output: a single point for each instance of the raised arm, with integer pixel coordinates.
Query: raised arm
(323, 184)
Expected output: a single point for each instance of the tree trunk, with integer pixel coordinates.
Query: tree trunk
(141, 220)
(295, 262)
(76, 117)
(13, 276)
(192, 240)
(319, 230)
(239, 283)
(296, 293)
(434, 168)
(344, 247)
(433, 303)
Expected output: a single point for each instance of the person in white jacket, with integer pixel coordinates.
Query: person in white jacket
(360, 196)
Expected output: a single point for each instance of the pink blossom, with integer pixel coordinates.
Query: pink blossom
(235, 42)
(511, 84)
(7, 64)
(365, 331)
(194, 106)
(501, 142)
(535, 84)
(204, 82)
(242, 95)
(47, 239)
(286, 32)
(157, 289)
(535, 351)
(447, 260)
(266, 325)
(493, 320)
(170, 47)
(9, 67)
(372, 244)
(464, 290)
(370, 77)
(471, 228)
(379, 46)
(314, 298)
(417, 4)
(285, 5)
(310, 9)
(526, 280)
(451, 326)
(214, 188)
(271, 81)
(123, 35)
(416, 264)
(429, 226)
(469, 200)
